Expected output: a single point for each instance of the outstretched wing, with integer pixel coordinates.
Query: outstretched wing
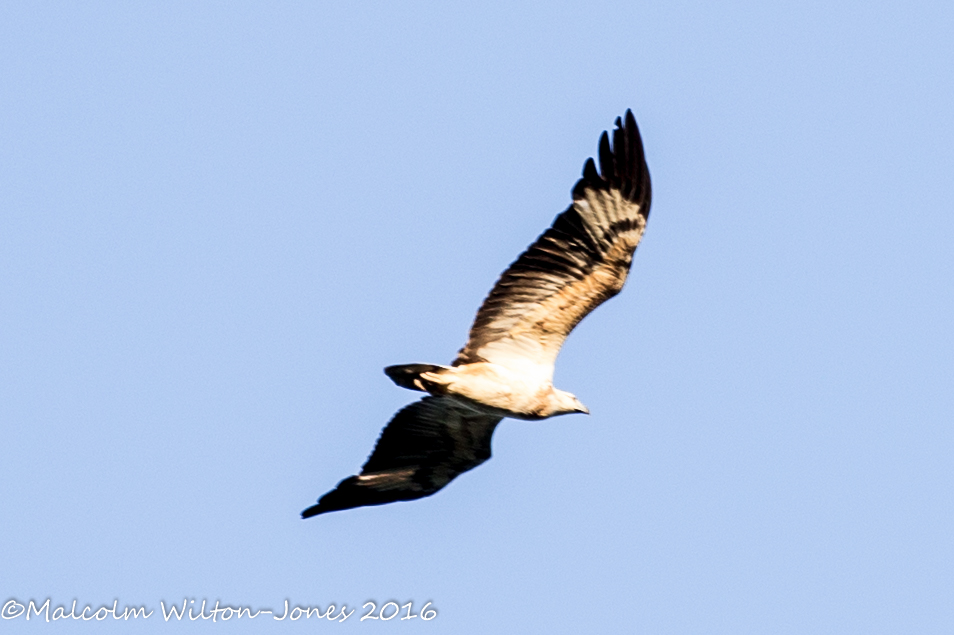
(423, 448)
(577, 264)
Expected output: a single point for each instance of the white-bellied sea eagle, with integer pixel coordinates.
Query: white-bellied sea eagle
(506, 367)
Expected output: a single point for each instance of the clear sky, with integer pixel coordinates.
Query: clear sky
(220, 221)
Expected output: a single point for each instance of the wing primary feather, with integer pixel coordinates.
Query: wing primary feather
(619, 152)
(607, 167)
(590, 175)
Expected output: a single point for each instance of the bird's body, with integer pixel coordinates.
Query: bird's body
(506, 367)
(493, 389)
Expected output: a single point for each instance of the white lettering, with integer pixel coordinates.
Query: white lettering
(43, 607)
(12, 609)
(172, 610)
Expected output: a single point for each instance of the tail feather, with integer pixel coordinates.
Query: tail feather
(408, 375)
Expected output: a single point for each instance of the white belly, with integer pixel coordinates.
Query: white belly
(493, 389)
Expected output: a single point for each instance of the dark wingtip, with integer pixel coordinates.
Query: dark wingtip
(590, 175)
(607, 167)
(622, 165)
(630, 119)
(335, 500)
(350, 493)
(314, 510)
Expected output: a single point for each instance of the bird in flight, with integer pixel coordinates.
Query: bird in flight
(506, 367)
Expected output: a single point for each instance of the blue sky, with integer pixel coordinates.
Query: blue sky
(220, 221)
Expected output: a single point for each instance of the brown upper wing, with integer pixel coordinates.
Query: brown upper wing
(577, 264)
(423, 448)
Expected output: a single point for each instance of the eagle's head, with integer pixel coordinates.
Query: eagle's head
(564, 403)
